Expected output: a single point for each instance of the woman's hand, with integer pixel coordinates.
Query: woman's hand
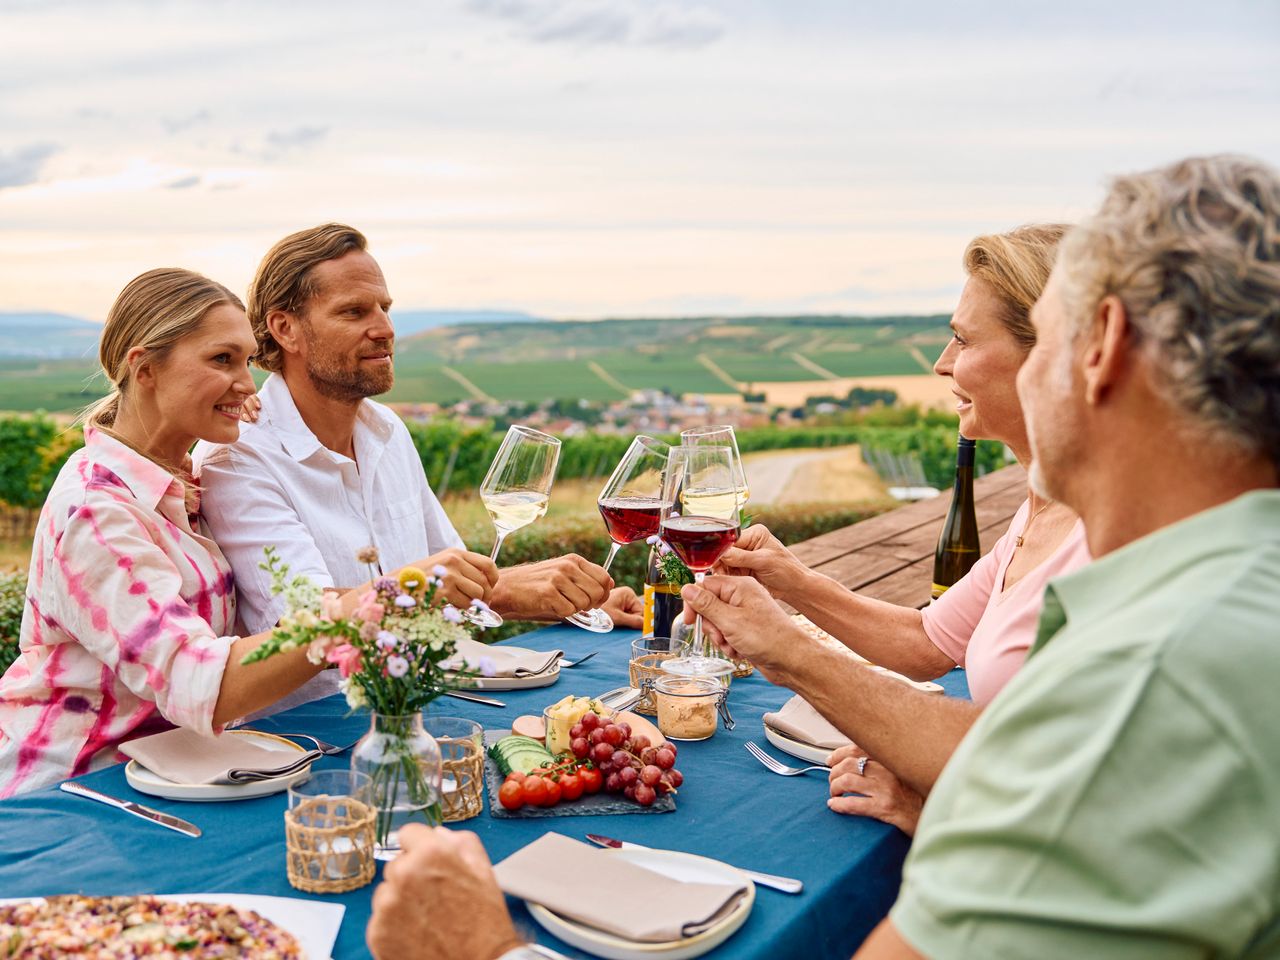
(761, 555)
(250, 408)
(882, 795)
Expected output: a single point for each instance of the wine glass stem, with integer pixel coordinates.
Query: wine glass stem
(614, 547)
(497, 545)
(702, 648)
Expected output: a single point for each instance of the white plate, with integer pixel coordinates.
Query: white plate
(677, 866)
(144, 781)
(314, 924)
(544, 679)
(797, 748)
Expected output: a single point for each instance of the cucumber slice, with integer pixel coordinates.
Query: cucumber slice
(518, 753)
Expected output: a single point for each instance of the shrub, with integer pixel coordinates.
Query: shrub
(13, 588)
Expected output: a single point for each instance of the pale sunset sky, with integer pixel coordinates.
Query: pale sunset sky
(586, 158)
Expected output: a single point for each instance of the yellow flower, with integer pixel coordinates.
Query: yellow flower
(412, 580)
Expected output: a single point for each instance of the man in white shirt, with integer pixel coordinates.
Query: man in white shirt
(327, 471)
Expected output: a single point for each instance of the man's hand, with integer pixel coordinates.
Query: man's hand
(746, 623)
(439, 900)
(550, 589)
(467, 576)
(759, 554)
(624, 608)
(883, 795)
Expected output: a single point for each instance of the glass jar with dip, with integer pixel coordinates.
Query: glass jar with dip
(688, 705)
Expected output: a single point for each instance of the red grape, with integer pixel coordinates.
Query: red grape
(651, 774)
(675, 776)
(613, 735)
(625, 728)
(612, 784)
(601, 752)
(590, 720)
(595, 736)
(628, 775)
(630, 791)
(577, 730)
(648, 755)
(580, 747)
(644, 794)
(639, 743)
(665, 758)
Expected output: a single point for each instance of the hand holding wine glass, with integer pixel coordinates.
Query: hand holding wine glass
(515, 491)
(706, 523)
(631, 504)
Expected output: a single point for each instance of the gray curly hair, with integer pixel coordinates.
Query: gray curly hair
(1193, 252)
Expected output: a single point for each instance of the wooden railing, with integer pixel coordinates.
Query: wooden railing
(890, 557)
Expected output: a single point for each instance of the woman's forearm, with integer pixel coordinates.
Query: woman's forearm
(884, 633)
(914, 734)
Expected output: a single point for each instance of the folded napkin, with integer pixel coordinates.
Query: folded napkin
(507, 661)
(799, 721)
(588, 885)
(184, 756)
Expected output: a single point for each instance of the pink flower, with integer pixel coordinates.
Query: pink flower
(331, 605)
(346, 657)
(319, 647)
(369, 631)
(397, 666)
(370, 612)
(451, 613)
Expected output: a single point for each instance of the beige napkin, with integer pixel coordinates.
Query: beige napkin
(184, 756)
(507, 661)
(799, 721)
(588, 885)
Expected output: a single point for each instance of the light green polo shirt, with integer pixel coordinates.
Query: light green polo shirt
(1121, 796)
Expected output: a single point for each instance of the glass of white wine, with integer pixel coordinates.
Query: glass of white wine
(515, 491)
(721, 435)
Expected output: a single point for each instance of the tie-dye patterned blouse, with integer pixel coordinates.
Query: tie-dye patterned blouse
(126, 624)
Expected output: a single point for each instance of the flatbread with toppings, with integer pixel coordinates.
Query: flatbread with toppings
(124, 928)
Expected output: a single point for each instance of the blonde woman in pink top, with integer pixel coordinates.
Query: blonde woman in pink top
(986, 622)
(129, 622)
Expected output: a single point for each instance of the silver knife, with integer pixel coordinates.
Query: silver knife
(137, 809)
(785, 884)
(475, 698)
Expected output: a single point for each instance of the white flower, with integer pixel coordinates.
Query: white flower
(387, 640)
(479, 604)
(354, 693)
(487, 667)
(440, 571)
(305, 618)
(397, 666)
(404, 601)
(451, 613)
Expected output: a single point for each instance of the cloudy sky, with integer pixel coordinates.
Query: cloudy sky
(581, 158)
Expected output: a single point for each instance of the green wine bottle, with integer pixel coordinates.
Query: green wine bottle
(958, 547)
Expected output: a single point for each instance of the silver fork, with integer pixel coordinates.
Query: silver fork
(776, 766)
(565, 664)
(328, 749)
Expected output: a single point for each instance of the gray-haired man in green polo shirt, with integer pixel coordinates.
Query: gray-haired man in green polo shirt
(1121, 796)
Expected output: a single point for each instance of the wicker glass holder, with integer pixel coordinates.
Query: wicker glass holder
(461, 745)
(329, 844)
(743, 668)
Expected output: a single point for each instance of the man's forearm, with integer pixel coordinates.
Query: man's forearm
(911, 733)
(884, 633)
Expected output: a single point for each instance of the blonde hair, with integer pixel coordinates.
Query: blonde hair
(284, 280)
(1192, 250)
(1016, 266)
(154, 311)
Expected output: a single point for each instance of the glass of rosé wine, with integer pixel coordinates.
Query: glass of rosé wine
(703, 480)
(631, 504)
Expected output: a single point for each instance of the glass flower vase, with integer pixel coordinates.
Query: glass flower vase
(404, 766)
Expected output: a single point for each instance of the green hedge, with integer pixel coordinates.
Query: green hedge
(12, 599)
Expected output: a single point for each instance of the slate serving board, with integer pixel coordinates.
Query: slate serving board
(595, 804)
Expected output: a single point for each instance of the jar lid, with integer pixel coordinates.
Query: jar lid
(675, 686)
(712, 667)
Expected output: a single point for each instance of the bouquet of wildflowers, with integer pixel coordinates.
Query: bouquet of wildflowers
(390, 651)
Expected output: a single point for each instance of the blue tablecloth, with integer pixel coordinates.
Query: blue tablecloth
(730, 808)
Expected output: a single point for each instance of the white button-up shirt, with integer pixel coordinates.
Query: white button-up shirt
(278, 485)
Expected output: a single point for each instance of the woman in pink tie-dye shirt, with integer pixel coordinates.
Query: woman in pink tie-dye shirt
(130, 606)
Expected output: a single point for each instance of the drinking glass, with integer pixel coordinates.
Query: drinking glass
(515, 491)
(631, 504)
(704, 479)
(721, 435)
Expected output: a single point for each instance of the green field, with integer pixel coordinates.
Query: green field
(547, 360)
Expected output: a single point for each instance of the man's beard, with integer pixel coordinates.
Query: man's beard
(337, 382)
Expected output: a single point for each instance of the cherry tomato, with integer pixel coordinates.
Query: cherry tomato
(512, 795)
(571, 786)
(591, 779)
(516, 776)
(554, 791)
(534, 791)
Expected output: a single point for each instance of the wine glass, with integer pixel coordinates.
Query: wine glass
(515, 491)
(702, 478)
(631, 504)
(721, 435)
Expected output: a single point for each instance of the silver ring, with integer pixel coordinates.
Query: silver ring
(862, 765)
